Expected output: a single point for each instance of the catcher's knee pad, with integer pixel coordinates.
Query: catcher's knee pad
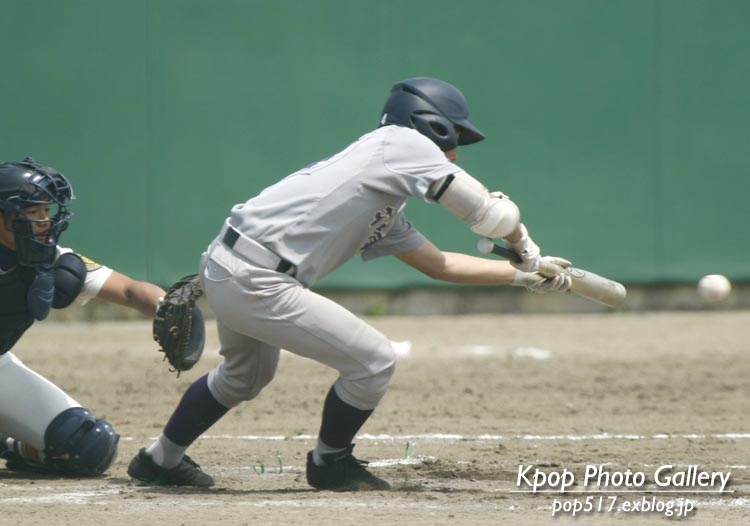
(78, 443)
(364, 391)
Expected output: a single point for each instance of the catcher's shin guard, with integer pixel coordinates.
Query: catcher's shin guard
(78, 443)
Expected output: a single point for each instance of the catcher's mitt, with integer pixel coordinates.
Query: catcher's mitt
(178, 326)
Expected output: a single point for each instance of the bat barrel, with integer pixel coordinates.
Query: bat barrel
(596, 288)
(584, 283)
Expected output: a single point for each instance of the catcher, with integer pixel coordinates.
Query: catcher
(42, 429)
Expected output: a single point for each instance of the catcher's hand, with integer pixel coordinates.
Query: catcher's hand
(178, 326)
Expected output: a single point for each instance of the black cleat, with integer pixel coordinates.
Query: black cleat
(15, 462)
(342, 472)
(187, 473)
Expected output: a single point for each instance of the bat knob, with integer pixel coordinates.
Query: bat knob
(485, 245)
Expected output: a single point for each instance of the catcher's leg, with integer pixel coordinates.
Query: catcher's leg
(50, 431)
(29, 402)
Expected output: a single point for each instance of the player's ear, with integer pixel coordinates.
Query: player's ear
(6, 232)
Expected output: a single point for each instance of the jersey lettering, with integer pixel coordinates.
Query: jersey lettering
(381, 223)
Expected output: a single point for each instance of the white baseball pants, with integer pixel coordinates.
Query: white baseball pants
(260, 311)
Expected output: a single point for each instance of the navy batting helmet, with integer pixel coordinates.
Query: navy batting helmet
(434, 108)
(27, 183)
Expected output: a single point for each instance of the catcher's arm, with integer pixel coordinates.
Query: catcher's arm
(139, 295)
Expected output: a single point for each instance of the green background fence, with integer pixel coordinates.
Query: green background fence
(619, 126)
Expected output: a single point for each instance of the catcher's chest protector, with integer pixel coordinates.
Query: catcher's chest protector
(15, 317)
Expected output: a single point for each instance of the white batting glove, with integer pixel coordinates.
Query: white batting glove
(527, 249)
(537, 283)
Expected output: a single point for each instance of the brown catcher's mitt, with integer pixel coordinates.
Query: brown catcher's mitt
(178, 326)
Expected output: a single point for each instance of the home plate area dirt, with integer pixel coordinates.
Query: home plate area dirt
(474, 402)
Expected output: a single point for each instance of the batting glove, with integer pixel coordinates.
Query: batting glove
(537, 283)
(528, 250)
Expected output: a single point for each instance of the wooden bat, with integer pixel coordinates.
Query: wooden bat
(583, 282)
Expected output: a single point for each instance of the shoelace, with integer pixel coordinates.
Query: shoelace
(353, 463)
(192, 462)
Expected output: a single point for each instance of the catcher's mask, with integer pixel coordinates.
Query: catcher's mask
(434, 108)
(27, 183)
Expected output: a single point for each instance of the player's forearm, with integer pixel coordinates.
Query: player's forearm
(470, 270)
(139, 295)
(144, 297)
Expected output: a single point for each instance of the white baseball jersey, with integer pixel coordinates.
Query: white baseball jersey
(320, 216)
(316, 218)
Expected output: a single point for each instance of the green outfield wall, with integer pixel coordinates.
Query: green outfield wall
(620, 127)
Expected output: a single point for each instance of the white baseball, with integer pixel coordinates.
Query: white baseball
(714, 288)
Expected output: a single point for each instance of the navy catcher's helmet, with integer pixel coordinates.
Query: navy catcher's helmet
(27, 183)
(433, 108)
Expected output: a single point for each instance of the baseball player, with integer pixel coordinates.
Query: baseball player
(42, 429)
(257, 272)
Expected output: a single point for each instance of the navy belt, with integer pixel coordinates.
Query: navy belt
(256, 253)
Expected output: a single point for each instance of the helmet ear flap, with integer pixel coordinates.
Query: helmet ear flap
(439, 129)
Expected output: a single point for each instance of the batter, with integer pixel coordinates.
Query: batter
(258, 271)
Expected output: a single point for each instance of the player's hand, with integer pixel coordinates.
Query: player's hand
(528, 250)
(535, 282)
(547, 261)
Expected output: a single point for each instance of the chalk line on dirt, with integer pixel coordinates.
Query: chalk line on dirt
(487, 437)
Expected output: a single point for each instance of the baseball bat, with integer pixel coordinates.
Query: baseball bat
(584, 283)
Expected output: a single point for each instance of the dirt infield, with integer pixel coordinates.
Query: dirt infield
(477, 397)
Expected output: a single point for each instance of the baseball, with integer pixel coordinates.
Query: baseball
(714, 288)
